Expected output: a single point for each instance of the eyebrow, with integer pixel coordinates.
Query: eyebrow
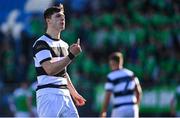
(59, 14)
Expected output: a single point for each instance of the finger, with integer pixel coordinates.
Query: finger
(78, 41)
(83, 99)
(77, 103)
(80, 103)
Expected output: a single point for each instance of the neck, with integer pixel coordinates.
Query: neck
(120, 67)
(117, 68)
(53, 33)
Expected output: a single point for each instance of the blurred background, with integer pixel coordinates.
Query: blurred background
(146, 31)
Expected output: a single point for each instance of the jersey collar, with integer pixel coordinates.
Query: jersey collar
(47, 35)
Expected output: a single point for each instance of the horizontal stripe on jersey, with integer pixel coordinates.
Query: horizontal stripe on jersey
(39, 46)
(119, 105)
(40, 71)
(44, 79)
(120, 79)
(45, 49)
(42, 45)
(43, 56)
(124, 99)
(123, 93)
(122, 84)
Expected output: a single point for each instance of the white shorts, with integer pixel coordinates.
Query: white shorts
(126, 111)
(34, 110)
(56, 105)
(20, 114)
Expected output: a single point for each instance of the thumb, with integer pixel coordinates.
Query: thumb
(78, 41)
(84, 99)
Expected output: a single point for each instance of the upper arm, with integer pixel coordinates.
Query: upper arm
(108, 94)
(42, 54)
(109, 84)
(41, 51)
(107, 98)
(137, 86)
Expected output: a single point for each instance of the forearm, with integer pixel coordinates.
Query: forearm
(138, 98)
(55, 66)
(104, 110)
(138, 90)
(70, 86)
(78, 99)
(104, 107)
(138, 94)
(105, 104)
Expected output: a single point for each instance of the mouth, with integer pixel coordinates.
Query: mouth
(62, 23)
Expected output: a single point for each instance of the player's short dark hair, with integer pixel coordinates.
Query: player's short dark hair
(54, 9)
(116, 56)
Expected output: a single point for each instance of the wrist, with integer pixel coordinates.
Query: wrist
(71, 56)
(103, 114)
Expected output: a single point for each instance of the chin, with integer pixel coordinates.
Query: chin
(62, 28)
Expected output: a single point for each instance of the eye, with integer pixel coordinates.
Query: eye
(58, 15)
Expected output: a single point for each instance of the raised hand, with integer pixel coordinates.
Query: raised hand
(78, 41)
(75, 48)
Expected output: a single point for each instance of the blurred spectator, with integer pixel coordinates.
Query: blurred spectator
(21, 101)
(175, 103)
(32, 100)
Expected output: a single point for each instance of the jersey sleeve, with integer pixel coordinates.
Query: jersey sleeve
(41, 51)
(109, 85)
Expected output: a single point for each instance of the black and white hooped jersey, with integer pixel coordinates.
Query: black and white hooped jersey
(44, 49)
(122, 84)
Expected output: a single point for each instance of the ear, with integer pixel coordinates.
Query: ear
(47, 20)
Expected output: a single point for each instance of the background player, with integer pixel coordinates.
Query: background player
(125, 88)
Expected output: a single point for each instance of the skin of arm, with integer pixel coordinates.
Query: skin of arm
(53, 67)
(105, 103)
(138, 90)
(79, 100)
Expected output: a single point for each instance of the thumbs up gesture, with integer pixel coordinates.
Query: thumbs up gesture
(75, 48)
(78, 41)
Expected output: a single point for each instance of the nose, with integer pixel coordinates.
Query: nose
(62, 19)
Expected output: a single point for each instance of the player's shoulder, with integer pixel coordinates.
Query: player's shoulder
(120, 73)
(114, 74)
(129, 72)
(42, 39)
(64, 43)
